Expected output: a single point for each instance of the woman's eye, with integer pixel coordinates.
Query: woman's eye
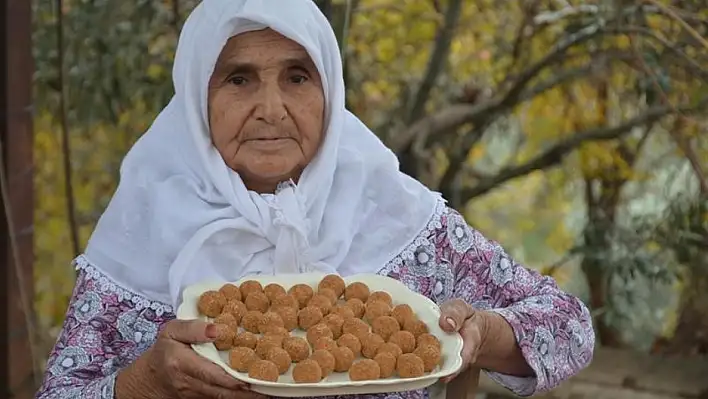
(298, 79)
(237, 80)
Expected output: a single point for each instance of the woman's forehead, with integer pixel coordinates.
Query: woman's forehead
(264, 45)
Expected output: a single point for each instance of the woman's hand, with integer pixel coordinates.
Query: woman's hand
(172, 369)
(458, 316)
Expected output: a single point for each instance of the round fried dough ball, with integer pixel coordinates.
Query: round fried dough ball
(307, 371)
(319, 330)
(270, 320)
(385, 326)
(357, 306)
(273, 291)
(322, 302)
(224, 337)
(325, 359)
(380, 296)
(211, 303)
(376, 309)
(257, 301)
(402, 313)
(409, 365)
(280, 357)
(249, 287)
(309, 316)
(428, 339)
(236, 308)
(297, 348)
(343, 310)
(351, 342)
(335, 323)
(388, 347)
(333, 282)
(289, 316)
(329, 293)
(430, 355)
(370, 343)
(355, 327)
(415, 327)
(227, 319)
(326, 343)
(231, 292)
(241, 358)
(285, 300)
(404, 339)
(264, 370)
(246, 339)
(265, 344)
(357, 290)
(343, 358)
(387, 364)
(363, 370)
(278, 331)
(301, 292)
(251, 321)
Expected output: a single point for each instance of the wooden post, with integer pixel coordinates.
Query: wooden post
(16, 67)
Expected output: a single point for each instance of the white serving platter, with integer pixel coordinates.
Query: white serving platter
(335, 383)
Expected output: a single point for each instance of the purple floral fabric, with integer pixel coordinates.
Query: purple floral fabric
(107, 327)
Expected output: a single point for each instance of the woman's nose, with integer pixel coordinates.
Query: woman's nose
(271, 108)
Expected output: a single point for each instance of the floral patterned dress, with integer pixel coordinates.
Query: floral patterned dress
(107, 327)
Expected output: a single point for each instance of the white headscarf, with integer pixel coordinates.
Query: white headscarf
(180, 215)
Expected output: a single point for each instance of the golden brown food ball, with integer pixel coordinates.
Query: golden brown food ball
(269, 320)
(246, 339)
(241, 358)
(307, 371)
(409, 365)
(301, 292)
(329, 293)
(325, 359)
(334, 283)
(415, 327)
(231, 292)
(402, 313)
(357, 290)
(265, 344)
(370, 344)
(385, 326)
(227, 319)
(430, 355)
(264, 370)
(319, 330)
(280, 357)
(297, 348)
(251, 321)
(351, 342)
(224, 337)
(380, 296)
(343, 310)
(376, 309)
(257, 301)
(322, 302)
(343, 358)
(404, 339)
(286, 300)
(249, 287)
(357, 306)
(388, 347)
(326, 343)
(335, 323)
(363, 370)
(211, 303)
(275, 330)
(236, 308)
(309, 316)
(387, 364)
(289, 316)
(273, 291)
(355, 327)
(427, 339)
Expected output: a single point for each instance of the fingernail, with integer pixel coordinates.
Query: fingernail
(451, 322)
(211, 331)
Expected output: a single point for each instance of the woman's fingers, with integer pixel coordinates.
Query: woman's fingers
(190, 387)
(204, 370)
(471, 339)
(453, 314)
(190, 331)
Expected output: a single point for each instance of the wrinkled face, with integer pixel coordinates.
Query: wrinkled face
(266, 108)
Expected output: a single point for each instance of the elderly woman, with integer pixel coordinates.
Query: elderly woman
(255, 167)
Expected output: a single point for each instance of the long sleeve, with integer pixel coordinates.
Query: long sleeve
(106, 328)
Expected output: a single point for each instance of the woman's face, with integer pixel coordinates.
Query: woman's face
(266, 108)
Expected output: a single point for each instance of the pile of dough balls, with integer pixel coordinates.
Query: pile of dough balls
(348, 329)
